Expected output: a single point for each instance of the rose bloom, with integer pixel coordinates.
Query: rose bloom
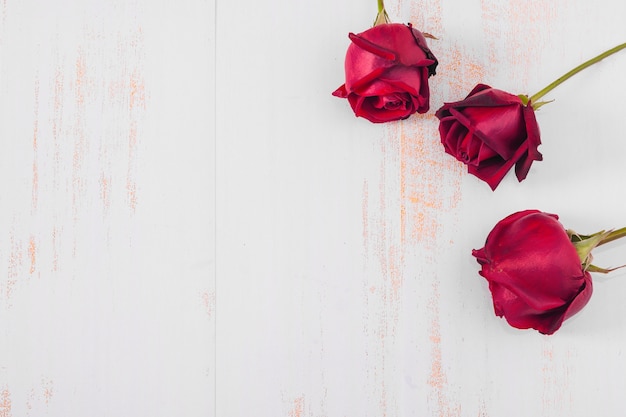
(534, 272)
(490, 131)
(387, 69)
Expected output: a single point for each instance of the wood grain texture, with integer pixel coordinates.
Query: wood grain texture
(192, 225)
(106, 234)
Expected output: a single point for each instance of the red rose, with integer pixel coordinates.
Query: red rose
(535, 274)
(490, 131)
(387, 69)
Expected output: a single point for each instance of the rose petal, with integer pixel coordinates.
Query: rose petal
(369, 108)
(485, 96)
(450, 132)
(360, 85)
(535, 251)
(491, 171)
(341, 92)
(521, 316)
(501, 128)
(398, 37)
(494, 170)
(534, 273)
(408, 79)
(387, 69)
(522, 167)
(581, 299)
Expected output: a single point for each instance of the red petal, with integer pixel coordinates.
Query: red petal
(341, 92)
(534, 258)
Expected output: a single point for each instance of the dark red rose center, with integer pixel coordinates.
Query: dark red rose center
(393, 105)
(394, 102)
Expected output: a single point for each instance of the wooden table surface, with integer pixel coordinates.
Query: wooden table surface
(191, 225)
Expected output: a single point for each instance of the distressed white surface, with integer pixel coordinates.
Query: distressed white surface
(190, 224)
(107, 214)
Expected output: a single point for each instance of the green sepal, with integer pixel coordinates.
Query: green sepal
(584, 244)
(539, 104)
(593, 268)
(524, 99)
(382, 17)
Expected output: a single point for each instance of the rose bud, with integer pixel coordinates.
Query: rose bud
(490, 131)
(387, 69)
(538, 272)
(534, 272)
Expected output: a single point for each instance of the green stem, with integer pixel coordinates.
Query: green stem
(614, 235)
(381, 16)
(558, 81)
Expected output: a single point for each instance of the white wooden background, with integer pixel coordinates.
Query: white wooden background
(191, 225)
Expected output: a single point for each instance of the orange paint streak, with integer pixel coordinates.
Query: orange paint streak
(77, 158)
(35, 186)
(490, 18)
(39, 395)
(131, 187)
(30, 400)
(520, 42)
(105, 191)
(395, 274)
(137, 103)
(463, 73)
(437, 378)
(48, 390)
(426, 16)
(32, 253)
(131, 192)
(297, 409)
(421, 179)
(132, 139)
(137, 91)
(556, 392)
(80, 143)
(57, 121)
(81, 69)
(14, 266)
(8, 288)
(55, 252)
(5, 403)
(129, 89)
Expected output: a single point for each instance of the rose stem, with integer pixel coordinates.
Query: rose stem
(537, 96)
(614, 235)
(381, 16)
